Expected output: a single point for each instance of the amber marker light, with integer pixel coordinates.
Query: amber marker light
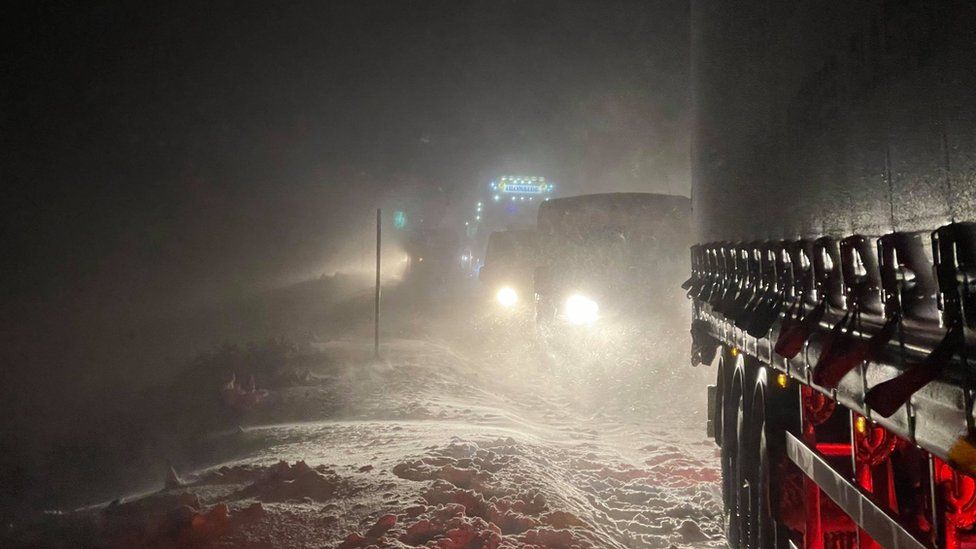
(782, 380)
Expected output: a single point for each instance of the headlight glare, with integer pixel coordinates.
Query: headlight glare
(580, 309)
(507, 297)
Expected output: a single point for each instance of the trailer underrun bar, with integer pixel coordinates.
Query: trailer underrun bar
(874, 520)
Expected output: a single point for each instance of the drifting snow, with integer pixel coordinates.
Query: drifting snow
(438, 449)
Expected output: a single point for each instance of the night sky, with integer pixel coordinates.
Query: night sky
(156, 158)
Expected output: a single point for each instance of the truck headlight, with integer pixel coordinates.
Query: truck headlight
(506, 297)
(580, 309)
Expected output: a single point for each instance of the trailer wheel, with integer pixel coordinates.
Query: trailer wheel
(765, 521)
(773, 410)
(729, 456)
(720, 385)
(762, 529)
(745, 462)
(725, 414)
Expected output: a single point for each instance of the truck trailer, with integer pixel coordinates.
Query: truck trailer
(833, 279)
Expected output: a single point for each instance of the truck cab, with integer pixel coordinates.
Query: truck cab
(608, 259)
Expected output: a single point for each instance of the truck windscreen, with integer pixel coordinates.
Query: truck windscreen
(620, 232)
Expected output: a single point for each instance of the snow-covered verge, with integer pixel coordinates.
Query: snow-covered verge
(429, 447)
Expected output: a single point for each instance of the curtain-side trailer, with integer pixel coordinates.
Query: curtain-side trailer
(833, 282)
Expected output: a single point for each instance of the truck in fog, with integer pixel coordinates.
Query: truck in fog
(609, 257)
(833, 281)
(505, 203)
(510, 260)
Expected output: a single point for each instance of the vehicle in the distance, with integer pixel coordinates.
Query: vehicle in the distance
(510, 260)
(608, 260)
(835, 273)
(502, 203)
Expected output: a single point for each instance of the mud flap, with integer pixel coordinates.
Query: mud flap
(703, 346)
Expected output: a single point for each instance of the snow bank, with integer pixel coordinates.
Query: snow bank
(507, 493)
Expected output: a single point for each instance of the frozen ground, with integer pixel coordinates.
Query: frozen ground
(444, 444)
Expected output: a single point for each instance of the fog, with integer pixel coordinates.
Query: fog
(179, 181)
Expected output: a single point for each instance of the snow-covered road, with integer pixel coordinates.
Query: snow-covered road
(431, 445)
(462, 435)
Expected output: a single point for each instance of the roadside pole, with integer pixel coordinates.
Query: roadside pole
(376, 304)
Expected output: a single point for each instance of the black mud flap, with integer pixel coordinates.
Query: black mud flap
(703, 346)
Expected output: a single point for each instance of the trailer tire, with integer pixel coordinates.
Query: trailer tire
(745, 462)
(720, 385)
(730, 378)
(729, 457)
(762, 528)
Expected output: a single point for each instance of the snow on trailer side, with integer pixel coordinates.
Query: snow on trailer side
(834, 186)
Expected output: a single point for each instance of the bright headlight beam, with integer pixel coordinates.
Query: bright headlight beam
(506, 297)
(581, 310)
